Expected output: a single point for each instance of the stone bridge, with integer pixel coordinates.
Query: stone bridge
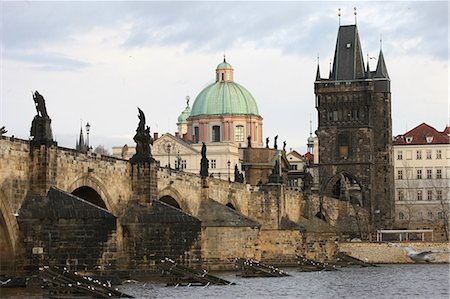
(112, 183)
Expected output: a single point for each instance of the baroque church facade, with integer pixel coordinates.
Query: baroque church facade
(355, 130)
(224, 116)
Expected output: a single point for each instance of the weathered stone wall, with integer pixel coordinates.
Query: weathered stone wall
(222, 245)
(256, 164)
(14, 184)
(349, 220)
(357, 116)
(320, 246)
(280, 247)
(14, 170)
(67, 231)
(382, 253)
(154, 231)
(294, 205)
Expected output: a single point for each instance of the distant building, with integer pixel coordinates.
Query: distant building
(224, 115)
(422, 173)
(355, 129)
(81, 144)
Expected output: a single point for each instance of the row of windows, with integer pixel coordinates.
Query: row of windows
(428, 155)
(430, 195)
(440, 215)
(216, 134)
(343, 115)
(420, 175)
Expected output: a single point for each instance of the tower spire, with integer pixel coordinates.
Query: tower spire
(339, 15)
(318, 69)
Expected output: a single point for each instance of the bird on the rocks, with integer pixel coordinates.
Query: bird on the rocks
(418, 256)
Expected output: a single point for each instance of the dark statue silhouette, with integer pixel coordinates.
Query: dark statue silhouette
(143, 141)
(41, 130)
(39, 102)
(204, 163)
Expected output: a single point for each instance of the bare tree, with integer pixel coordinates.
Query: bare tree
(100, 149)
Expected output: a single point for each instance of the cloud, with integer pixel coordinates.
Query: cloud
(294, 27)
(47, 61)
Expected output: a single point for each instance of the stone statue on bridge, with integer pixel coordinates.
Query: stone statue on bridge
(275, 145)
(41, 130)
(238, 176)
(39, 102)
(143, 141)
(204, 163)
(267, 142)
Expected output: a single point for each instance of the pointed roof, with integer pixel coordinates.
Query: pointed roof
(80, 145)
(381, 71)
(318, 73)
(348, 63)
(422, 134)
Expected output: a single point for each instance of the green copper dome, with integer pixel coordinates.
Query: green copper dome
(224, 98)
(184, 115)
(224, 65)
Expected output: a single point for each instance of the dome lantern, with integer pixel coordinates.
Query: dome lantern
(224, 71)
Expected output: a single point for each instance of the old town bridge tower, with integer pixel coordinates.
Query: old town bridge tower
(355, 129)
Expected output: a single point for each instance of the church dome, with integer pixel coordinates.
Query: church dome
(185, 114)
(224, 97)
(224, 65)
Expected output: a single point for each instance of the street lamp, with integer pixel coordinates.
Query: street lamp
(228, 163)
(88, 128)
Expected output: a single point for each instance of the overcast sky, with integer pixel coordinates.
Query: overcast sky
(98, 61)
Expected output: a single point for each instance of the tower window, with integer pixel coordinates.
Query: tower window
(223, 76)
(343, 146)
(196, 134)
(216, 134)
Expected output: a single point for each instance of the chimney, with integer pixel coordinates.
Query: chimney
(177, 134)
(155, 136)
(185, 137)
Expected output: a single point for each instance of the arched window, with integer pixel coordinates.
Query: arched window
(401, 216)
(216, 134)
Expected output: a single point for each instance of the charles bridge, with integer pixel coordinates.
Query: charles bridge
(60, 206)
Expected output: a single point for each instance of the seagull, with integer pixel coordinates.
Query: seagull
(418, 256)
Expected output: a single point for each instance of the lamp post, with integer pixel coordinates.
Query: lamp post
(88, 128)
(229, 163)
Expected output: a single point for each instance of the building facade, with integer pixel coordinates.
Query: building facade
(422, 172)
(355, 129)
(225, 111)
(224, 116)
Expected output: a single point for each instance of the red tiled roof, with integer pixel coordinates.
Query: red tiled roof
(423, 134)
(309, 156)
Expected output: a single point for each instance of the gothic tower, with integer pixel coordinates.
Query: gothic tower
(355, 130)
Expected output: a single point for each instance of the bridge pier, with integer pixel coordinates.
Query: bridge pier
(144, 182)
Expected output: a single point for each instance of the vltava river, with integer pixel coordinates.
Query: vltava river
(386, 281)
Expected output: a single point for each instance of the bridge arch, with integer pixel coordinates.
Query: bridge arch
(91, 189)
(346, 186)
(9, 232)
(172, 197)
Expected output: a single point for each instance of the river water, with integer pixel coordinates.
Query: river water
(385, 281)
